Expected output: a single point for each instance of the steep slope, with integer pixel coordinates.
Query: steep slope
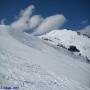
(28, 63)
(67, 38)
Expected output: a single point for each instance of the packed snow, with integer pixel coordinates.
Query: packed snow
(67, 38)
(29, 63)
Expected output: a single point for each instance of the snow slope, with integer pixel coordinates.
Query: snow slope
(29, 63)
(69, 38)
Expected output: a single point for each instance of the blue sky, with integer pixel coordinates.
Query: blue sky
(77, 12)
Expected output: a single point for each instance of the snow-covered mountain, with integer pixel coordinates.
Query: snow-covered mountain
(71, 40)
(29, 63)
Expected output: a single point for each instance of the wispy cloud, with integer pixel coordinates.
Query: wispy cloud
(86, 30)
(36, 23)
(27, 12)
(23, 22)
(50, 23)
(2, 21)
(84, 21)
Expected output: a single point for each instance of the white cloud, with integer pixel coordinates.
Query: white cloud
(50, 23)
(23, 22)
(35, 21)
(37, 24)
(2, 21)
(27, 12)
(86, 30)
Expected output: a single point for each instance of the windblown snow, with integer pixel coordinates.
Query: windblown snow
(29, 63)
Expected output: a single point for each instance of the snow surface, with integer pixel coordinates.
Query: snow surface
(69, 38)
(29, 63)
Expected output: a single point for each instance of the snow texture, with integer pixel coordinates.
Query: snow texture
(29, 63)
